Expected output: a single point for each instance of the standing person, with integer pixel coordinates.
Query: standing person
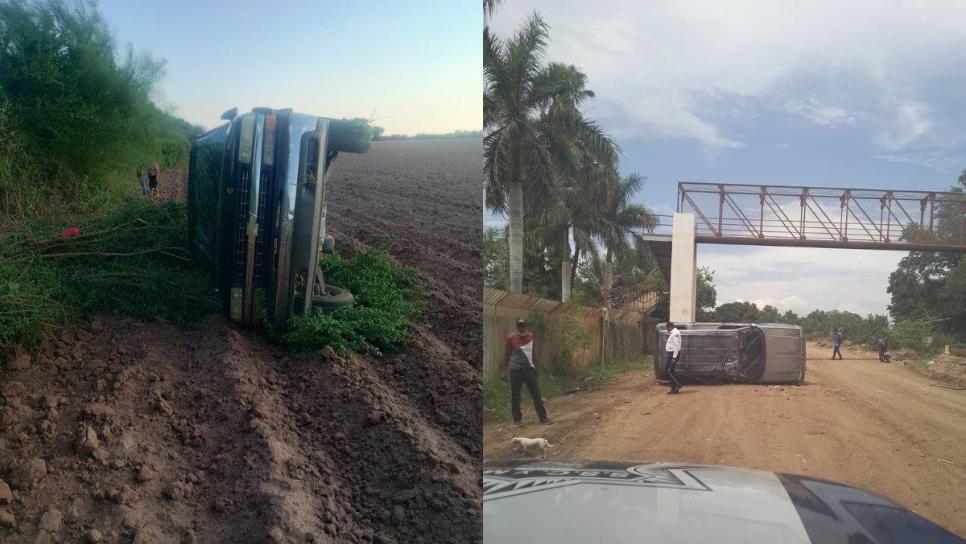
(153, 172)
(672, 350)
(884, 351)
(144, 188)
(837, 337)
(519, 349)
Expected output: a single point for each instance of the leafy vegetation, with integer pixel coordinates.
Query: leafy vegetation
(387, 306)
(132, 260)
(931, 286)
(76, 120)
(550, 169)
(76, 116)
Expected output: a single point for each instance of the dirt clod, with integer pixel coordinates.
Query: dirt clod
(146, 474)
(87, 440)
(7, 519)
(19, 361)
(52, 521)
(28, 472)
(6, 496)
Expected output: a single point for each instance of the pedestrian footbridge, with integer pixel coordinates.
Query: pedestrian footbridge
(796, 216)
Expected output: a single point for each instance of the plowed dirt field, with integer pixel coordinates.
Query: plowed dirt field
(132, 431)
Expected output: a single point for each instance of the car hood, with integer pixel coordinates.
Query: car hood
(570, 502)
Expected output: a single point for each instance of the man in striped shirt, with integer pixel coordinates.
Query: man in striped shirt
(519, 349)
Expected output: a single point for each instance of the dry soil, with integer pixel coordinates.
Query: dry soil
(881, 427)
(142, 432)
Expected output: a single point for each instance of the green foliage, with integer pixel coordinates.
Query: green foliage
(387, 306)
(496, 258)
(79, 112)
(909, 334)
(132, 260)
(737, 312)
(931, 286)
(706, 298)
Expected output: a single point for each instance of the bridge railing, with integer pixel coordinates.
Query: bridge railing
(729, 213)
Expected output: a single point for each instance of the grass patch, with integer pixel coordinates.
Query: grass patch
(496, 391)
(132, 260)
(387, 306)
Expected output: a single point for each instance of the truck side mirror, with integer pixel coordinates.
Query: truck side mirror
(230, 114)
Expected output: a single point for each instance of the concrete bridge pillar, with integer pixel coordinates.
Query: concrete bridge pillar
(684, 271)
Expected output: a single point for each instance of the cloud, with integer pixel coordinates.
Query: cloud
(671, 69)
(910, 122)
(826, 116)
(802, 279)
(939, 160)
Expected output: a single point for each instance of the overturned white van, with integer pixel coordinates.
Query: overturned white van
(735, 352)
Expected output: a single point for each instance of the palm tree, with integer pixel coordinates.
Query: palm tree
(489, 6)
(621, 219)
(533, 130)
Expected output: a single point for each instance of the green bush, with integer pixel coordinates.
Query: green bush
(79, 114)
(131, 260)
(387, 306)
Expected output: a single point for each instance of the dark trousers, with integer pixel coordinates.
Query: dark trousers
(517, 379)
(837, 351)
(669, 357)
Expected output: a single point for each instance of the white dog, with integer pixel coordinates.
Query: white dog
(521, 444)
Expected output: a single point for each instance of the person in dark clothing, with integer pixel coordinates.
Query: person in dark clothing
(837, 338)
(153, 172)
(672, 350)
(519, 349)
(884, 356)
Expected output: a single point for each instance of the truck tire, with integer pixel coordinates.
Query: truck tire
(334, 298)
(349, 135)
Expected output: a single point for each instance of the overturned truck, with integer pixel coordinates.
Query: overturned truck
(735, 352)
(256, 210)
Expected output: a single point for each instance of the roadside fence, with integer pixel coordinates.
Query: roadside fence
(567, 336)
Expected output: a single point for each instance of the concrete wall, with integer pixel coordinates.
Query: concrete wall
(565, 336)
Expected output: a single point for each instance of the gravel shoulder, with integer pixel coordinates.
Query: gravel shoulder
(881, 427)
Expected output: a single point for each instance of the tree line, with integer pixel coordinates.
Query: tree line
(554, 174)
(76, 115)
(379, 133)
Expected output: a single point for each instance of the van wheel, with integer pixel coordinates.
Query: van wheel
(334, 298)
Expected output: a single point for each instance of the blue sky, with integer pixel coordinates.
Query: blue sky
(416, 65)
(864, 94)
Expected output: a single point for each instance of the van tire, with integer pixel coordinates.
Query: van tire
(334, 298)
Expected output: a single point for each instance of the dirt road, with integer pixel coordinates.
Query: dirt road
(142, 431)
(875, 426)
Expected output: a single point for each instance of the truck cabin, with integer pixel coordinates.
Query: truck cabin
(257, 207)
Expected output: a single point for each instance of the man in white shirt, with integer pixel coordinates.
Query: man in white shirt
(672, 350)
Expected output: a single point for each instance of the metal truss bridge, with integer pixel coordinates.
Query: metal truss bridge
(779, 215)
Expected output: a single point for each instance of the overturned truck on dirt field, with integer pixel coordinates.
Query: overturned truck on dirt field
(256, 210)
(735, 352)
